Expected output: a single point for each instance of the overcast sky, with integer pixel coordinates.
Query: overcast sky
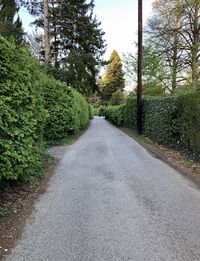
(119, 22)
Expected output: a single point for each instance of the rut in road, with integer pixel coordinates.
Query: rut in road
(110, 200)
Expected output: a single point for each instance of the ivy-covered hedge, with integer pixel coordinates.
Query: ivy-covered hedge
(172, 121)
(160, 120)
(188, 111)
(33, 107)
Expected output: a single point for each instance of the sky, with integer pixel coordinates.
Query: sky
(119, 22)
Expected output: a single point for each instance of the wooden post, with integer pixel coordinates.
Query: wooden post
(139, 72)
(46, 31)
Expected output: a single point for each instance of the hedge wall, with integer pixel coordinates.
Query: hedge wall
(130, 112)
(22, 114)
(68, 111)
(172, 121)
(188, 109)
(33, 107)
(160, 120)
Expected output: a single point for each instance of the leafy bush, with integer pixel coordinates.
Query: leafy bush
(32, 106)
(117, 98)
(115, 114)
(68, 111)
(130, 112)
(22, 114)
(96, 111)
(91, 112)
(172, 121)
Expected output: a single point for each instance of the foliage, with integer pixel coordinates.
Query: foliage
(91, 112)
(113, 78)
(9, 27)
(173, 121)
(32, 106)
(130, 112)
(96, 111)
(117, 98)
(188, 109)
(153, 71)
(77, 42)
(115, 114)
(67, 110)
(159, 122)
(22, 114)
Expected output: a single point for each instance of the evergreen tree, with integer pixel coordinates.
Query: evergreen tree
(113, 78)
(77, 41)
(9, 28)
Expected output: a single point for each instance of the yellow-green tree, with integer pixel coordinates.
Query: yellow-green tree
(113, 79)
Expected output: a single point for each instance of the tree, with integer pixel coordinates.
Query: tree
(9, 27)
(117, 98)
(76, 41)
(174, 33)
(153, 71)
(113, 78)
(163, 35)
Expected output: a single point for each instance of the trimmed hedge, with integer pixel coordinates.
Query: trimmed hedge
(33, 107)
(188, 107)
(160, 120)
(68, 111)
(22, 114)
(172, 121)
(130, 112)
(114, 114)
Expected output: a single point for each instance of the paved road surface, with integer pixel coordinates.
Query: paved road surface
(110, 200)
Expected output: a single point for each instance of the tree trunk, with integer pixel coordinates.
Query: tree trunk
(46, 31)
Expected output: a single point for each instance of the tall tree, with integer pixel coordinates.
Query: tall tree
(9, 27)
(163, 35)
(113, 78)
(154, 71)
(77, 43)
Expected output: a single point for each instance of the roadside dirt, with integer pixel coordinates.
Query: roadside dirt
(176, 159)
(17, 203)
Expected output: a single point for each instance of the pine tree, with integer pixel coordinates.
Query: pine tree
(9, 28)
(77, 42)
(113, 79)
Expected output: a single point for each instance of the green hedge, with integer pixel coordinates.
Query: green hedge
(160, 120)
(172, 121)
(32, 107)
(68, 111)
(22, 114)
(115, 114)
(130, 112)
(188, 109)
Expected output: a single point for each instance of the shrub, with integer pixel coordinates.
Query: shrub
(130, 112)
(68, 111)
(91, 112)
(115, 114)
(22, 114)
(117, 98)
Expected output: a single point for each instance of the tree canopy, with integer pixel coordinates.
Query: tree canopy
(113, 79)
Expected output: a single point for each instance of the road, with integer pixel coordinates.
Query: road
(111, 200)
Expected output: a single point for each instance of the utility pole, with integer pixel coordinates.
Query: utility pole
(46, 30)
(139, 72)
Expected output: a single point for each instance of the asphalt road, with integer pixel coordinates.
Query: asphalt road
(110, 200)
